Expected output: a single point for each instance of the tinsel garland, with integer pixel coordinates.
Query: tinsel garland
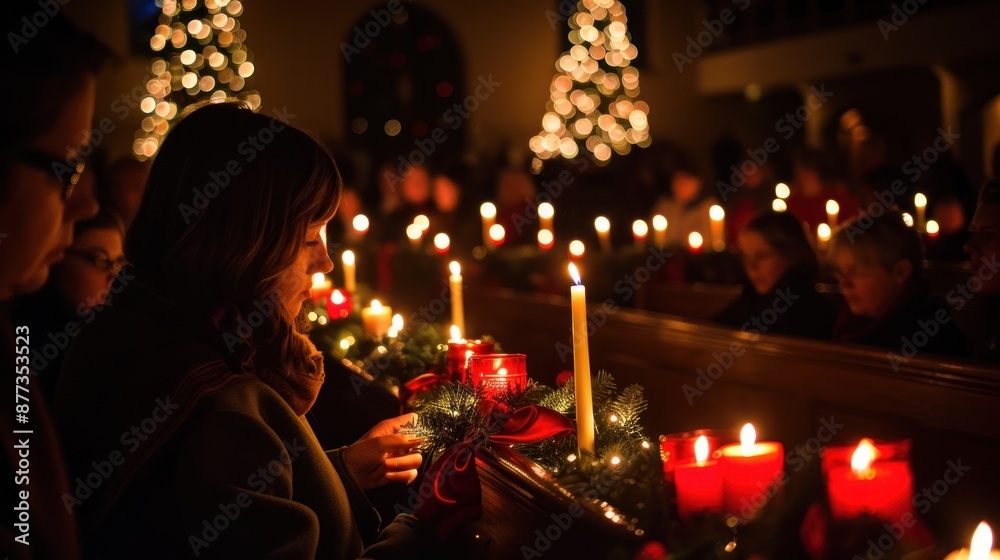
(625, 472)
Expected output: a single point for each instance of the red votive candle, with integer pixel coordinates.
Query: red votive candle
(678, 448)
(699, 483)
(338, 305)
(498, 372)
(751, 474)
(459, 352)
(873, 482)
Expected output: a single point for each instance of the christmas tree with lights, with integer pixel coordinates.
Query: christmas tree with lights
(594, 93)
(201, 54)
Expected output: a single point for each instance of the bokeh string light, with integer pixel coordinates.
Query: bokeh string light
(201, 55)
(593, 99)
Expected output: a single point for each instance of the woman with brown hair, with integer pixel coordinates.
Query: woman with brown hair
(183, 404)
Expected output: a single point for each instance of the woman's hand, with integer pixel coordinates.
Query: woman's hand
(383, 456)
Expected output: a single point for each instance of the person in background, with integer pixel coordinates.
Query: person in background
(686, 207)
(949, 213)
(206, 342)
(76, 286)
(46, 121)
(887, 298)
(781, 269)
(983, 248)
(813, 184)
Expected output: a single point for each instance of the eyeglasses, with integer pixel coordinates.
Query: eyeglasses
(99, 260)
(56, 166)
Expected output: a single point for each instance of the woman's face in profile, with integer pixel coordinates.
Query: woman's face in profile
(312, 257)
(764, 265)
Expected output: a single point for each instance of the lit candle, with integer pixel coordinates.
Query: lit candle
(360, 224)
(457, 307)
(695, 242)
(920, 202)
(545, 215)
(545, 239)
(932, 229)
(338, 305)
(778, 205)
(832, 212)
(442, 243)
(823, 234)
(422, 221)
(493, 373)
(377, 319)
(659, 231)
(414, 233)
(639, 232)
(603, 227)
(459, 352)
(699, 484)
(396, 326)
(749, 473)
(782, 191)
(581, 365)
(980, 548)
(489, 213)
(350, 275)
(907, 219)
(321, 287)
(576, 249)
(869, 485)
(718, 216)
(497, 235)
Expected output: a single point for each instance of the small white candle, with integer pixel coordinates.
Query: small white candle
(360, 224)
(603, 227)
(659, 230)
(545, 215)
(718, 216)
(781, 190)
(576, 249)
(920, 201)
(981, 547)
(639, 232)
(350, 275)
(414, 233)
(823, 233)
(489, 214)
(497, 235)
(457, 307)
(442, 243)
(832, 212)
(376, 319)
(581, 365)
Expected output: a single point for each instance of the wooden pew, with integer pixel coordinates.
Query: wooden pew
(789, 388)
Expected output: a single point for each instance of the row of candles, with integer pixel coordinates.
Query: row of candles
(734, 479)
(870, 479)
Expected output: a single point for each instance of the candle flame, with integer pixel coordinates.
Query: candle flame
(602, 224)
(907, 219)
(348, 257)
(502, 371)
(932, 227)
(832, 207)
(861, 460)
(779, 205)
(360, 223)
(376, 306)
(659, 223)
(748, 437)
(574, 274)
(488, 210)
(695, 240)
(716, 213)
(397, 322)
(338, 297)
(781, 190)
(545, 210)
(497, 233)
(422, 221)
(456, 334)
(701, 449)
(982, 542)
(319, 279)
(639, 228)
(576, 248)
(545, 238)
(919, 200)
(442, 242)
(823, 232)
(456, 269)
(413, 231)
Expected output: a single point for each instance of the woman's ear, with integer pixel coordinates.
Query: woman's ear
(902, 271)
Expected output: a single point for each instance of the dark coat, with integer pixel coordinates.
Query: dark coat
(800, 310)
(176, 450)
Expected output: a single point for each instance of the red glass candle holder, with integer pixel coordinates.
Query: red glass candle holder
(699, 487)
(751, 479)
(459, 353)
(338, 305)
(498, 372)
(884, 490)
(678, 448)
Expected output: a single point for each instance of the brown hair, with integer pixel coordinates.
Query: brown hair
(228, 202)
(885, 238)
